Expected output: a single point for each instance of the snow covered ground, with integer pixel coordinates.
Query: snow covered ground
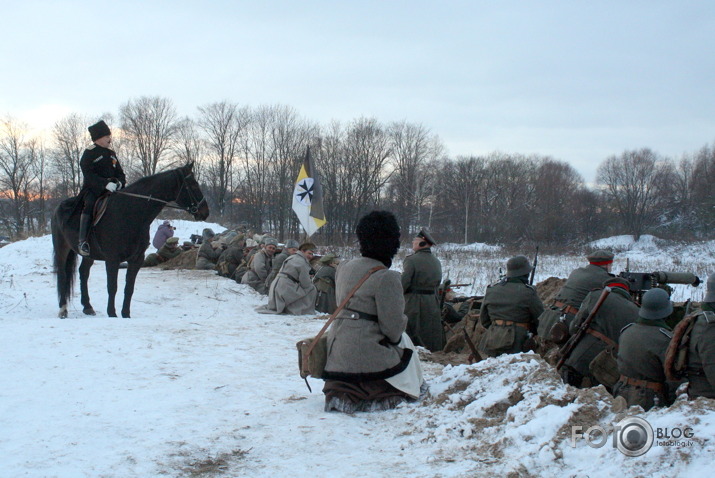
(198, 384)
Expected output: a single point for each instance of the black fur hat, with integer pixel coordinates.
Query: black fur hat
(99, 130)
(379, 236)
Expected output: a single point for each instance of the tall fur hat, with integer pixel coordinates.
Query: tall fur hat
(379, 235)
(99, 130)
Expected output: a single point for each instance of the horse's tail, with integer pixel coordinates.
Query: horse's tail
(64, 262)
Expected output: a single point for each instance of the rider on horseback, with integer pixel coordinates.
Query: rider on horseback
(101, 171)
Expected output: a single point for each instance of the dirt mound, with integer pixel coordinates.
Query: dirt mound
(185, 260)
(548, 289)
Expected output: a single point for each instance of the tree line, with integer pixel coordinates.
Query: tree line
(247, 158)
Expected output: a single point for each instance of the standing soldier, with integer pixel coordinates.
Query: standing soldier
(701, 352)
(510, 309)
(616, 312)
(421, 276)
(580, 282)
(324, 281)
(641, 354)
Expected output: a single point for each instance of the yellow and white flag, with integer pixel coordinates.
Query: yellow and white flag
(308, 197)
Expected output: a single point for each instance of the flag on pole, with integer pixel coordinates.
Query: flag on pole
(308, 197)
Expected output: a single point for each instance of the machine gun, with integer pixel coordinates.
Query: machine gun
(641, 282)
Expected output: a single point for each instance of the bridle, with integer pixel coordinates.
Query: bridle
(193, 207)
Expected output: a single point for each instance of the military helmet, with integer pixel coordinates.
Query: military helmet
(655, 305)
(518, 266)
(292, 244)
(710, 293)
(173, 240)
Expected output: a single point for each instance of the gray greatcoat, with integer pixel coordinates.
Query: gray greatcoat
(511, 300)
(641, 356)
(701, 357)
(580, 282)
(363, 345)
(293, 292)
(255, 276)
(324, 281)
(277, 263)
(421, 277)
(616, 312)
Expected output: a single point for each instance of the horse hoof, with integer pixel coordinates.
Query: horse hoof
(63, 313)
(89, 311)
(110, 314)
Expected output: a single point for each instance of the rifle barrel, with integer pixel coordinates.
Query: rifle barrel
(568, 347)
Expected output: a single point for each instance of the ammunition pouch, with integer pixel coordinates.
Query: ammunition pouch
(604, 367)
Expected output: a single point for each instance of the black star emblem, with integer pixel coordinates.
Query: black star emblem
(307, 191)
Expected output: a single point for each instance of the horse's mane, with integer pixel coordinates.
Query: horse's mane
(141, 183)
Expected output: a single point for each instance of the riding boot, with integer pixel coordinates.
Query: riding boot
(84, 221)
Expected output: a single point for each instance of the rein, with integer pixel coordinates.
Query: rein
(190, 209)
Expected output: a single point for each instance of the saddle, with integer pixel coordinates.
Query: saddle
(100, 207)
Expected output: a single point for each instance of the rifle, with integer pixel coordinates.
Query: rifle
(471, 345)
(533, 270)
(455, 286)
(568, 347)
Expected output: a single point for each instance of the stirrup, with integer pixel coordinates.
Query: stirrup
(83, 248)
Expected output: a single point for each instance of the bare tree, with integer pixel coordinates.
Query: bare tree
(412, 146)
(37, 190)
(70, 137)
(632, 182)
(15, 175)
(149, 125)
(187, 146)
(223, 123)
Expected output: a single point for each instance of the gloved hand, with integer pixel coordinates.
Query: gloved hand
(111, 187)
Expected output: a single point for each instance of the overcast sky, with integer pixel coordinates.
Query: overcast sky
(575, 80)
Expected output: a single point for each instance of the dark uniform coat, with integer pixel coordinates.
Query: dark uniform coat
(207, 256)
(616, 312)
(324, 281)
(99, 165)
(641, 356)
(510, 300)
(701, 356)
(580, 282)
(229, 259)
(421, 277)
(362, 341)
(162, 255)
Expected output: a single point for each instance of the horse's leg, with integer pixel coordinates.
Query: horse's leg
(65, 272)
(132, 271)
(84, 269)
(112, 271)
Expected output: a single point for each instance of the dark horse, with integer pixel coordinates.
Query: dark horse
(122, 233)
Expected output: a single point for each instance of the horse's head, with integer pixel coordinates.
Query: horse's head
(190, 196)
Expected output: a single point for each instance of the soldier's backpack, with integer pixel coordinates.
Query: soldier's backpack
(676, 355)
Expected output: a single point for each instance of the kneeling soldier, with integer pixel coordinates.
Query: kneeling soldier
(641, 354)
(509, 311)
(169, 250)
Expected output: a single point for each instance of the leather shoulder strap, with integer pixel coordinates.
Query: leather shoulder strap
(337, 311)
